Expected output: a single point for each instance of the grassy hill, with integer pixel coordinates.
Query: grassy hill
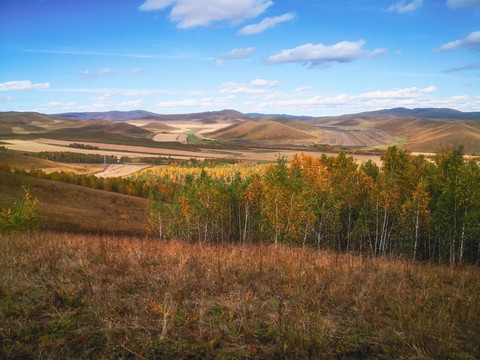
(23, 161)
(423, 135)
(259, 131)
(204, 117)
(31, 122)
(156, 126)
(103, 126)
(66, 207)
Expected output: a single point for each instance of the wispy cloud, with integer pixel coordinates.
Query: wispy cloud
(194, 13)
(206, 102)
(22, 85)
(471, 42)
(462, 68)
(456, 4)
(265, 83)
(268, 22)
(132, 55)
(90, 75)
(403, 7)
(304, 88)
(322, 56)
(235, 54)
(236, 88)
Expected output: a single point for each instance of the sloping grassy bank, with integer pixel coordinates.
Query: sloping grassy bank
(79, 296)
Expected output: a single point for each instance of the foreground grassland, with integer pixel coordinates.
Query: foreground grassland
(76, 296)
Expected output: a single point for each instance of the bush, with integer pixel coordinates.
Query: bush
(22, 216)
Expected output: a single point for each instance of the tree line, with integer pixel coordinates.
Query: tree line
(77, 158)
(408, 206)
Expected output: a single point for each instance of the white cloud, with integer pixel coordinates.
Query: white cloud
(393, 94)
(403, 7)
(22, 85)
(321, 56)
(367, 101)
(265, 83)
(471, 42)
(235, 54)
(429, 89)
(456, 4)
(304, 88)
(236, 88)
(194, 13)
(268, 22)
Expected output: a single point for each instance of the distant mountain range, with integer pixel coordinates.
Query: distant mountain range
(107, 115)
(429, 113)
(422, 113)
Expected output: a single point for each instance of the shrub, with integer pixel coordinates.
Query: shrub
(22, 216)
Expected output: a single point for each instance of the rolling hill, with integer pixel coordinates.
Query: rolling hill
(104, 126)
(204, 117)
(157, 126)
(423, 129)
(423, 135)
(67, 207)
(429, 113)
(31, 122)
(262, 131)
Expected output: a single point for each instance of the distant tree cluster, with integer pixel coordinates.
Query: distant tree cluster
(74, 157)
(409, 206)
(83, 146)
(159, 160)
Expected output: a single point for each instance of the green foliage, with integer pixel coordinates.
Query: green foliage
(409, 206)
(74, 157)
(21, 216)
(83, 146)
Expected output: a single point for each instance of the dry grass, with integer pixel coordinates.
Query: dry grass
(74, 296)
(67, 207)
(21, 161)
(259, 131)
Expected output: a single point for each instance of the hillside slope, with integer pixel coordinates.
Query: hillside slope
(66, 207)
(262, 131)
(423, 135)
(31, 122)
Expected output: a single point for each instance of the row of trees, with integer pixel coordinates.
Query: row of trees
(75, 157)
(409, 206)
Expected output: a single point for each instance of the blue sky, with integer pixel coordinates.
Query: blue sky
(270, 56)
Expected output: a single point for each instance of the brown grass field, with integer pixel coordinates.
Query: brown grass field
(66, 207)
(21, 161)
(77, 296)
